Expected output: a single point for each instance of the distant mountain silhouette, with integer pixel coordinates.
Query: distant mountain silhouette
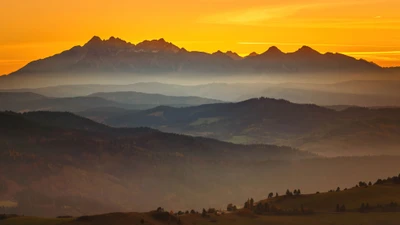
(27, 101)
(132, 97)
(160, 56)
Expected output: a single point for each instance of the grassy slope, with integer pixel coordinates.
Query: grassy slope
(352, 198)
(318, 219)
(324, 205)
(228, 219)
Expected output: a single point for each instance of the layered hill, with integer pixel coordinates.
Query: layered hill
(355, 131)
(62, 163)
(137, 98)
(368, 93)
(28, 101)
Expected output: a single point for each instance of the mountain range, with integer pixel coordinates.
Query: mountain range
(115, 57)
(160, 56)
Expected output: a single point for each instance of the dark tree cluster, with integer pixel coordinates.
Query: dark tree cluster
(391, 207)
(265, 207)
(389, 180)
(364, 207)
(249, 204)
(296, 192)
(262, 208)
(363, 184)
(231, 208)
(340, 208)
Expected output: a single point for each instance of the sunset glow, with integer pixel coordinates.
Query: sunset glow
(369, 29)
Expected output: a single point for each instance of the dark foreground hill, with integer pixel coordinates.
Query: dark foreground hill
(368, 204)
(153, 218)
(354, 131)
(61, 164)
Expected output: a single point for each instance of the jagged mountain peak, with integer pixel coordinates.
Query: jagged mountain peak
(157, 45)
(233, 55)
(273, 51)
(253, 54)
(94, 41)
(306, 50)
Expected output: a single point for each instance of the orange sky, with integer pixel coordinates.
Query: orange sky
(370, 29)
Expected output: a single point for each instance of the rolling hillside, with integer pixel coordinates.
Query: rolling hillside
(353, 198)
(59, 159)
(354, 131)
(62, 164)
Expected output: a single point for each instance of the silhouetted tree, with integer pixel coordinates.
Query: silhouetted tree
(247, 204)
(337, 208)
(337, 189)
(343, 208)
(204, 213)
(297, 192)
(211, 210)
(230, 207)
(271, 195)
(251, 203)
(362, 184)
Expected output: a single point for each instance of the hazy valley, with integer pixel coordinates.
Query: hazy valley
(112, 126)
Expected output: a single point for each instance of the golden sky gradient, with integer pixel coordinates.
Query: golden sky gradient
(370, 29)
